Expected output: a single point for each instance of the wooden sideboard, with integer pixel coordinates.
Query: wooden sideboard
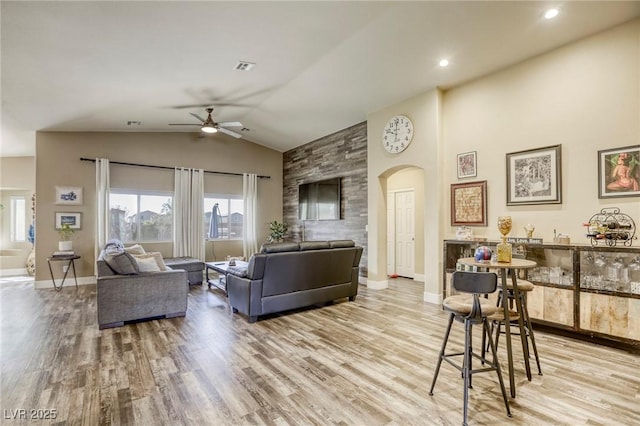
(580, 289)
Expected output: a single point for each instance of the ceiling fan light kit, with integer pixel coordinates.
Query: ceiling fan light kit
(209, 126)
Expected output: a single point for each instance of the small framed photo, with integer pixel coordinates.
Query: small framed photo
(467, 165)
(68, 195)
(74, 220)
(619, 172)
(469, 204)
(534, 176)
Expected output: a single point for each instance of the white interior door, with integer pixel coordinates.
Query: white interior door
(405, 233)
(401, 233)
(391, 233)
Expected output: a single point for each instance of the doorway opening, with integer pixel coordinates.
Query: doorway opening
(405, 223)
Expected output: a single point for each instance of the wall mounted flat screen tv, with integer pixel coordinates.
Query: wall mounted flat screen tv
(319, 200)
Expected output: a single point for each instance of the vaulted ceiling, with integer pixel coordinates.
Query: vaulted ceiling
(319, 66)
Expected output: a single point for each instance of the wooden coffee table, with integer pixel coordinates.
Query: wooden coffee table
(222, 268)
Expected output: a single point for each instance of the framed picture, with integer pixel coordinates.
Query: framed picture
(467, 165)
(534, 176)
(469, 204)
(74, 220)
(619, 172)
(68, 195)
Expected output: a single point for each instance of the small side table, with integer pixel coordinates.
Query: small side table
(70, 265)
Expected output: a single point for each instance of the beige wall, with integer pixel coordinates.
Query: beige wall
(17, 173)
(584, 96)
(423, 153)
(17, 178)
(58, 163)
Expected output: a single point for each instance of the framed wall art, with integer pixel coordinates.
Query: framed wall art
(467, 165)
(534, 176)
(68, 195)
(469, 204)
(619, 172)
(74, 220)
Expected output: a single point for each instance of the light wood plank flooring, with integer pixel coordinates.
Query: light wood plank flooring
(368, 362)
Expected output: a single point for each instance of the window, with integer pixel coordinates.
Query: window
(223, 218)
(135, 217)
(18, 219)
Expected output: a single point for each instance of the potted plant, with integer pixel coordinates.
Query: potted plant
(65, 232)
(277, 230)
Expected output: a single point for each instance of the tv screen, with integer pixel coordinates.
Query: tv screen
(319, 200)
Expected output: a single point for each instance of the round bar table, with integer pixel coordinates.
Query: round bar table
(504, 267)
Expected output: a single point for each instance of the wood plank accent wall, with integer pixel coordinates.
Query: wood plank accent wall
(342, 154)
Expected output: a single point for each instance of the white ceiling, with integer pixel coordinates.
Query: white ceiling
(321, 66)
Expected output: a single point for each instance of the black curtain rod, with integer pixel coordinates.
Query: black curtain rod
(93, 160)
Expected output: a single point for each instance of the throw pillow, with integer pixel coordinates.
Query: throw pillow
(114, 246)
(157, 256)
(147, 264)
(135, 249)
(122, 263)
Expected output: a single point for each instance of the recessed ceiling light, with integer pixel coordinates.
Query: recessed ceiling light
(551, 13)
(444, 62)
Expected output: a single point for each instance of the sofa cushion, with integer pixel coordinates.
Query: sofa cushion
(341, 243)
(135, 249)
(147, 264)
(314, 245)
(121, 262)
(157, 256)
(279, 247)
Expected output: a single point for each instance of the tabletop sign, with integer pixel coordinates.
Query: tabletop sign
(517, 240)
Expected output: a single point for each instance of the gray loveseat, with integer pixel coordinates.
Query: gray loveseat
(287, 276)
(139, 296)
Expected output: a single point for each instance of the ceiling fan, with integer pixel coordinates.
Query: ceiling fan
(209, 126)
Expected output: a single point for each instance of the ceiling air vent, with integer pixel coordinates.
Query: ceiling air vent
(244, 66)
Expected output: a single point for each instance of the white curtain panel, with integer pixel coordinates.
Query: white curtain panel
(188, 211)
(250, 196)
(102, 204)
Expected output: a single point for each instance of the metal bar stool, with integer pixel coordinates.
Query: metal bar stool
(470, 310)
(497, 319)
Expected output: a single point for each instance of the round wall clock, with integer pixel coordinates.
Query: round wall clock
(397, 134)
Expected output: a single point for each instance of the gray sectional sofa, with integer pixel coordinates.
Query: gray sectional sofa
(139, 295)
(286, 276)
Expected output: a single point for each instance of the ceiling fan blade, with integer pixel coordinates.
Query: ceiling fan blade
(230, 132)
(175, 124)
(230, 124)
(197, 116)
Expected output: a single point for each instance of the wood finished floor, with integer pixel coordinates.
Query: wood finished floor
(368, 362)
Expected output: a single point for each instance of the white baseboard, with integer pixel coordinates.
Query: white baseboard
(69, 282)
(377, 285)
(418, 277)
(13, 272)
(435, 298)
